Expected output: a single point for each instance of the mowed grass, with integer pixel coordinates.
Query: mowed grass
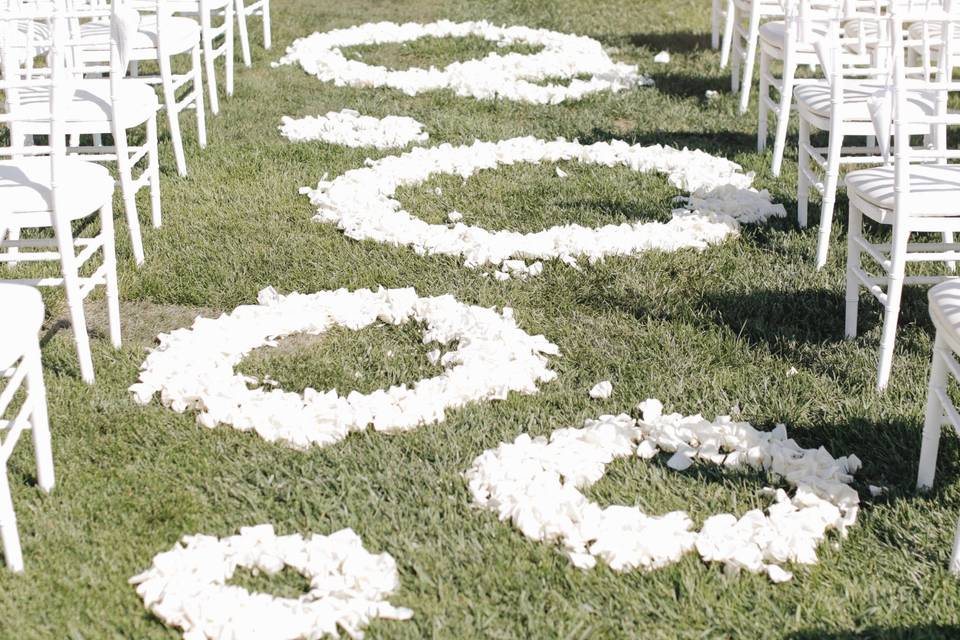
(715, 332)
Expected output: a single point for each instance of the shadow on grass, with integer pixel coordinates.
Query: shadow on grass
(881, 633)
(672, 41)
(715, 142)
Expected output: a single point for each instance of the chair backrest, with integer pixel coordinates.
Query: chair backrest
(937, 90)
(46, 30)
(861, 55)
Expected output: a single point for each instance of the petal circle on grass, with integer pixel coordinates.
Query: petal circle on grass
(536, 484)
(513, 76)
(488, 357)
(362, 202)
(186, 587)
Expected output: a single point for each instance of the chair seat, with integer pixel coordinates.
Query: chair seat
(945, 309)
(179, 35)
(84, 187)
(21, 315)
(934, 189)
(92, 105)
(815, 98)
(775, 33)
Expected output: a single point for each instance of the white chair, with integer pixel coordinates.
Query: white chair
(920, 193)
(206, 11)
(22, 314)
(746, 18)
(258, 8)
(160, 37)
(940, 411)
(841, 105)
(791, 42)
(42, 187)
(102, 106)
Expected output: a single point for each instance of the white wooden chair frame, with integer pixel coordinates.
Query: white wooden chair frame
(259, 8)
(904, 220)
(205, 12)
(819, 167)
(25, 373)
(940, 410)
(170, 82)
(745, 19)
(71, 252)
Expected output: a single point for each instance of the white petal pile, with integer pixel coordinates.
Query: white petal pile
(361, 202)
(513, 76)
(194, 368)
(187, 586)
(536, 484)
(350, 129)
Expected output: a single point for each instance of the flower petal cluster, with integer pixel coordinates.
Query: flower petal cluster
(536, 484)
(186, 587)
(350, 129)
(513, 76)
(362, 202)
(487, 356)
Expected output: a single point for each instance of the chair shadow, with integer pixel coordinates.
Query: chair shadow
(715, 142)
(672, 41)
(881, 633)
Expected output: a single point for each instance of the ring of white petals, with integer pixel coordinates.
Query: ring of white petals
(489, 356)
(350, 129)
(513, 76)
(187, 586)
(362, 203)
(536, 484)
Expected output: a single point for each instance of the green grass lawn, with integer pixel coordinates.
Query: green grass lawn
(705, 332)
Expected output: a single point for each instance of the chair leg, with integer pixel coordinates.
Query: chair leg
(198, 96)
(715, 25)
(933, 416)
(209, 58)
(854, 233)
(153, 167)
(891, 313)
(803, 182)
(948, 239)
(241, 14)
(727, 44)
(110, 267)
(955, 555)
(753, 36)
(831, 179)
(173, 114)
(762, 107)
(228, 62)
(783, 118)
(129, 193)
(736, 54)
(12, 233)
(39, 422)
(267, 31)
(71, 284)
(8, 525)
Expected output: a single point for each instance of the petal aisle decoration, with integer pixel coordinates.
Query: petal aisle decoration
(194, 368)
(350, 129)
(362, 203)
(536, 483)
(187, 586)
(513, 76)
